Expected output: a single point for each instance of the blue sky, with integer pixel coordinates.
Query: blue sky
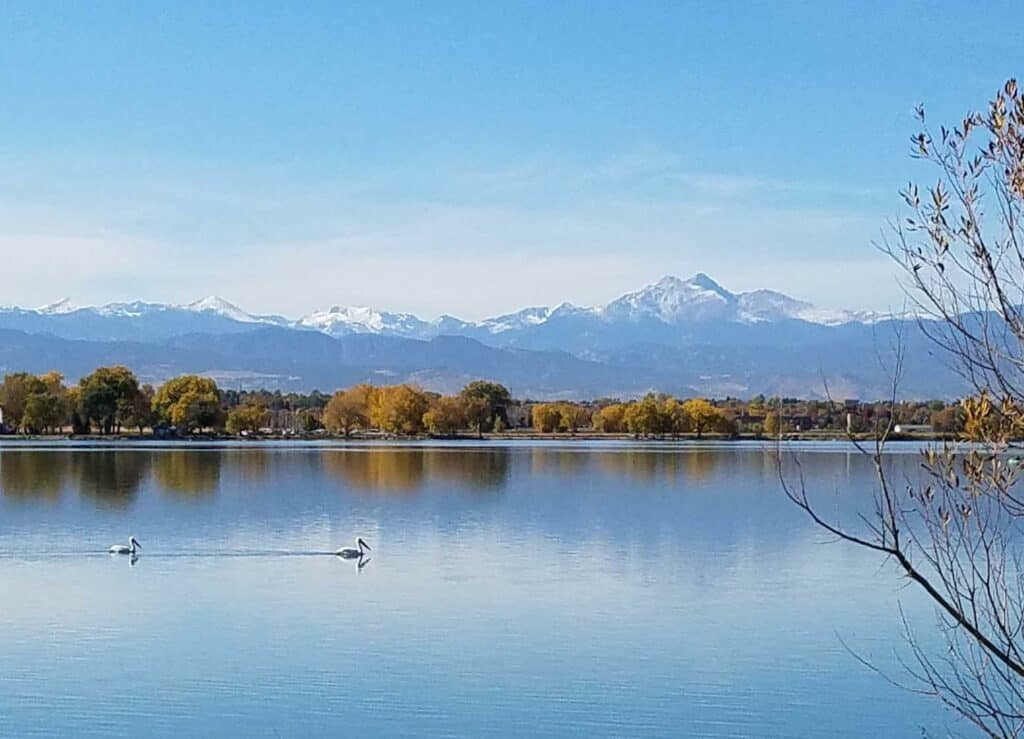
(469, 157)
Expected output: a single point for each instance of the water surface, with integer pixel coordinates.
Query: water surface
(513, 590)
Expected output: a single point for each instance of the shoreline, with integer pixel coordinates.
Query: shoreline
(804, 437)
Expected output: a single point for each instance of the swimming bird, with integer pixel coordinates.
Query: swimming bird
(349, 553)
(133, 544)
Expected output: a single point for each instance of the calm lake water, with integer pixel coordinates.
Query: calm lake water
(513, 590)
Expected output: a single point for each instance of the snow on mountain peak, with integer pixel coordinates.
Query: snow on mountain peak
(672, 299)
(701, 281)
(220, 306)
(340, 320)
(520, 319)
(669, 301)
(64, 305)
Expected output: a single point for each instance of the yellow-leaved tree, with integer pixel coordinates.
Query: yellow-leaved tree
(348, 410)
(399, 409)
(189, 403)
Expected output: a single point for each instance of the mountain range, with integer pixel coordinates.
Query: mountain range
(688, 336)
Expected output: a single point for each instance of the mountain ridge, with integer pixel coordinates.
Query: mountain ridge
(669, 300)
(672, 335)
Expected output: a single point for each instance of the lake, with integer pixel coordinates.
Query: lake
(533, 589)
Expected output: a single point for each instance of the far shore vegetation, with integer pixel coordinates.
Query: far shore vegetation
(112, 402)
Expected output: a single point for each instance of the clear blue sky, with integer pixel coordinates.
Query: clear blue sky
(469, 157)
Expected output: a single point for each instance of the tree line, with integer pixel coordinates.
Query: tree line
(111, 400)
(108, 400)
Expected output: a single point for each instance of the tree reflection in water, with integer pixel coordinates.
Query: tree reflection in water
(188, 472)
(111, 477)
(406, 471)
(114, 476)
(558, 461)
(252, 465)
(29, 474)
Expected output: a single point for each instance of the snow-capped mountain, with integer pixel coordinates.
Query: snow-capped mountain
(343, 321)
(134, 321)
(515, 321)
(668, 304)
(672, 300)
(221, 307)
(700, 298)
(675, 335)
(64, 305)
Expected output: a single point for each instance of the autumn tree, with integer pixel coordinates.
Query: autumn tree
(189, 403)
(14, 394)
(546, 417)
(348, 410)
(644, 417)
(34, 404)
(675, 418)
(954, 534)
(399, 409)
(611, 418)
(948, 420)
(249, 418)
(703, 415)
(447, 415)
(477, 413)
(772, 424)
(572, 417)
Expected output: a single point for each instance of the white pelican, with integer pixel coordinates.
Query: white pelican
(349, 553)
(133, 544)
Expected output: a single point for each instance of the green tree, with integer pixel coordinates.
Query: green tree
(44, 411)
(496, 397)
(78, 424)
(141, 414)
(309, 420)
(106, 397)
(189, 403)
